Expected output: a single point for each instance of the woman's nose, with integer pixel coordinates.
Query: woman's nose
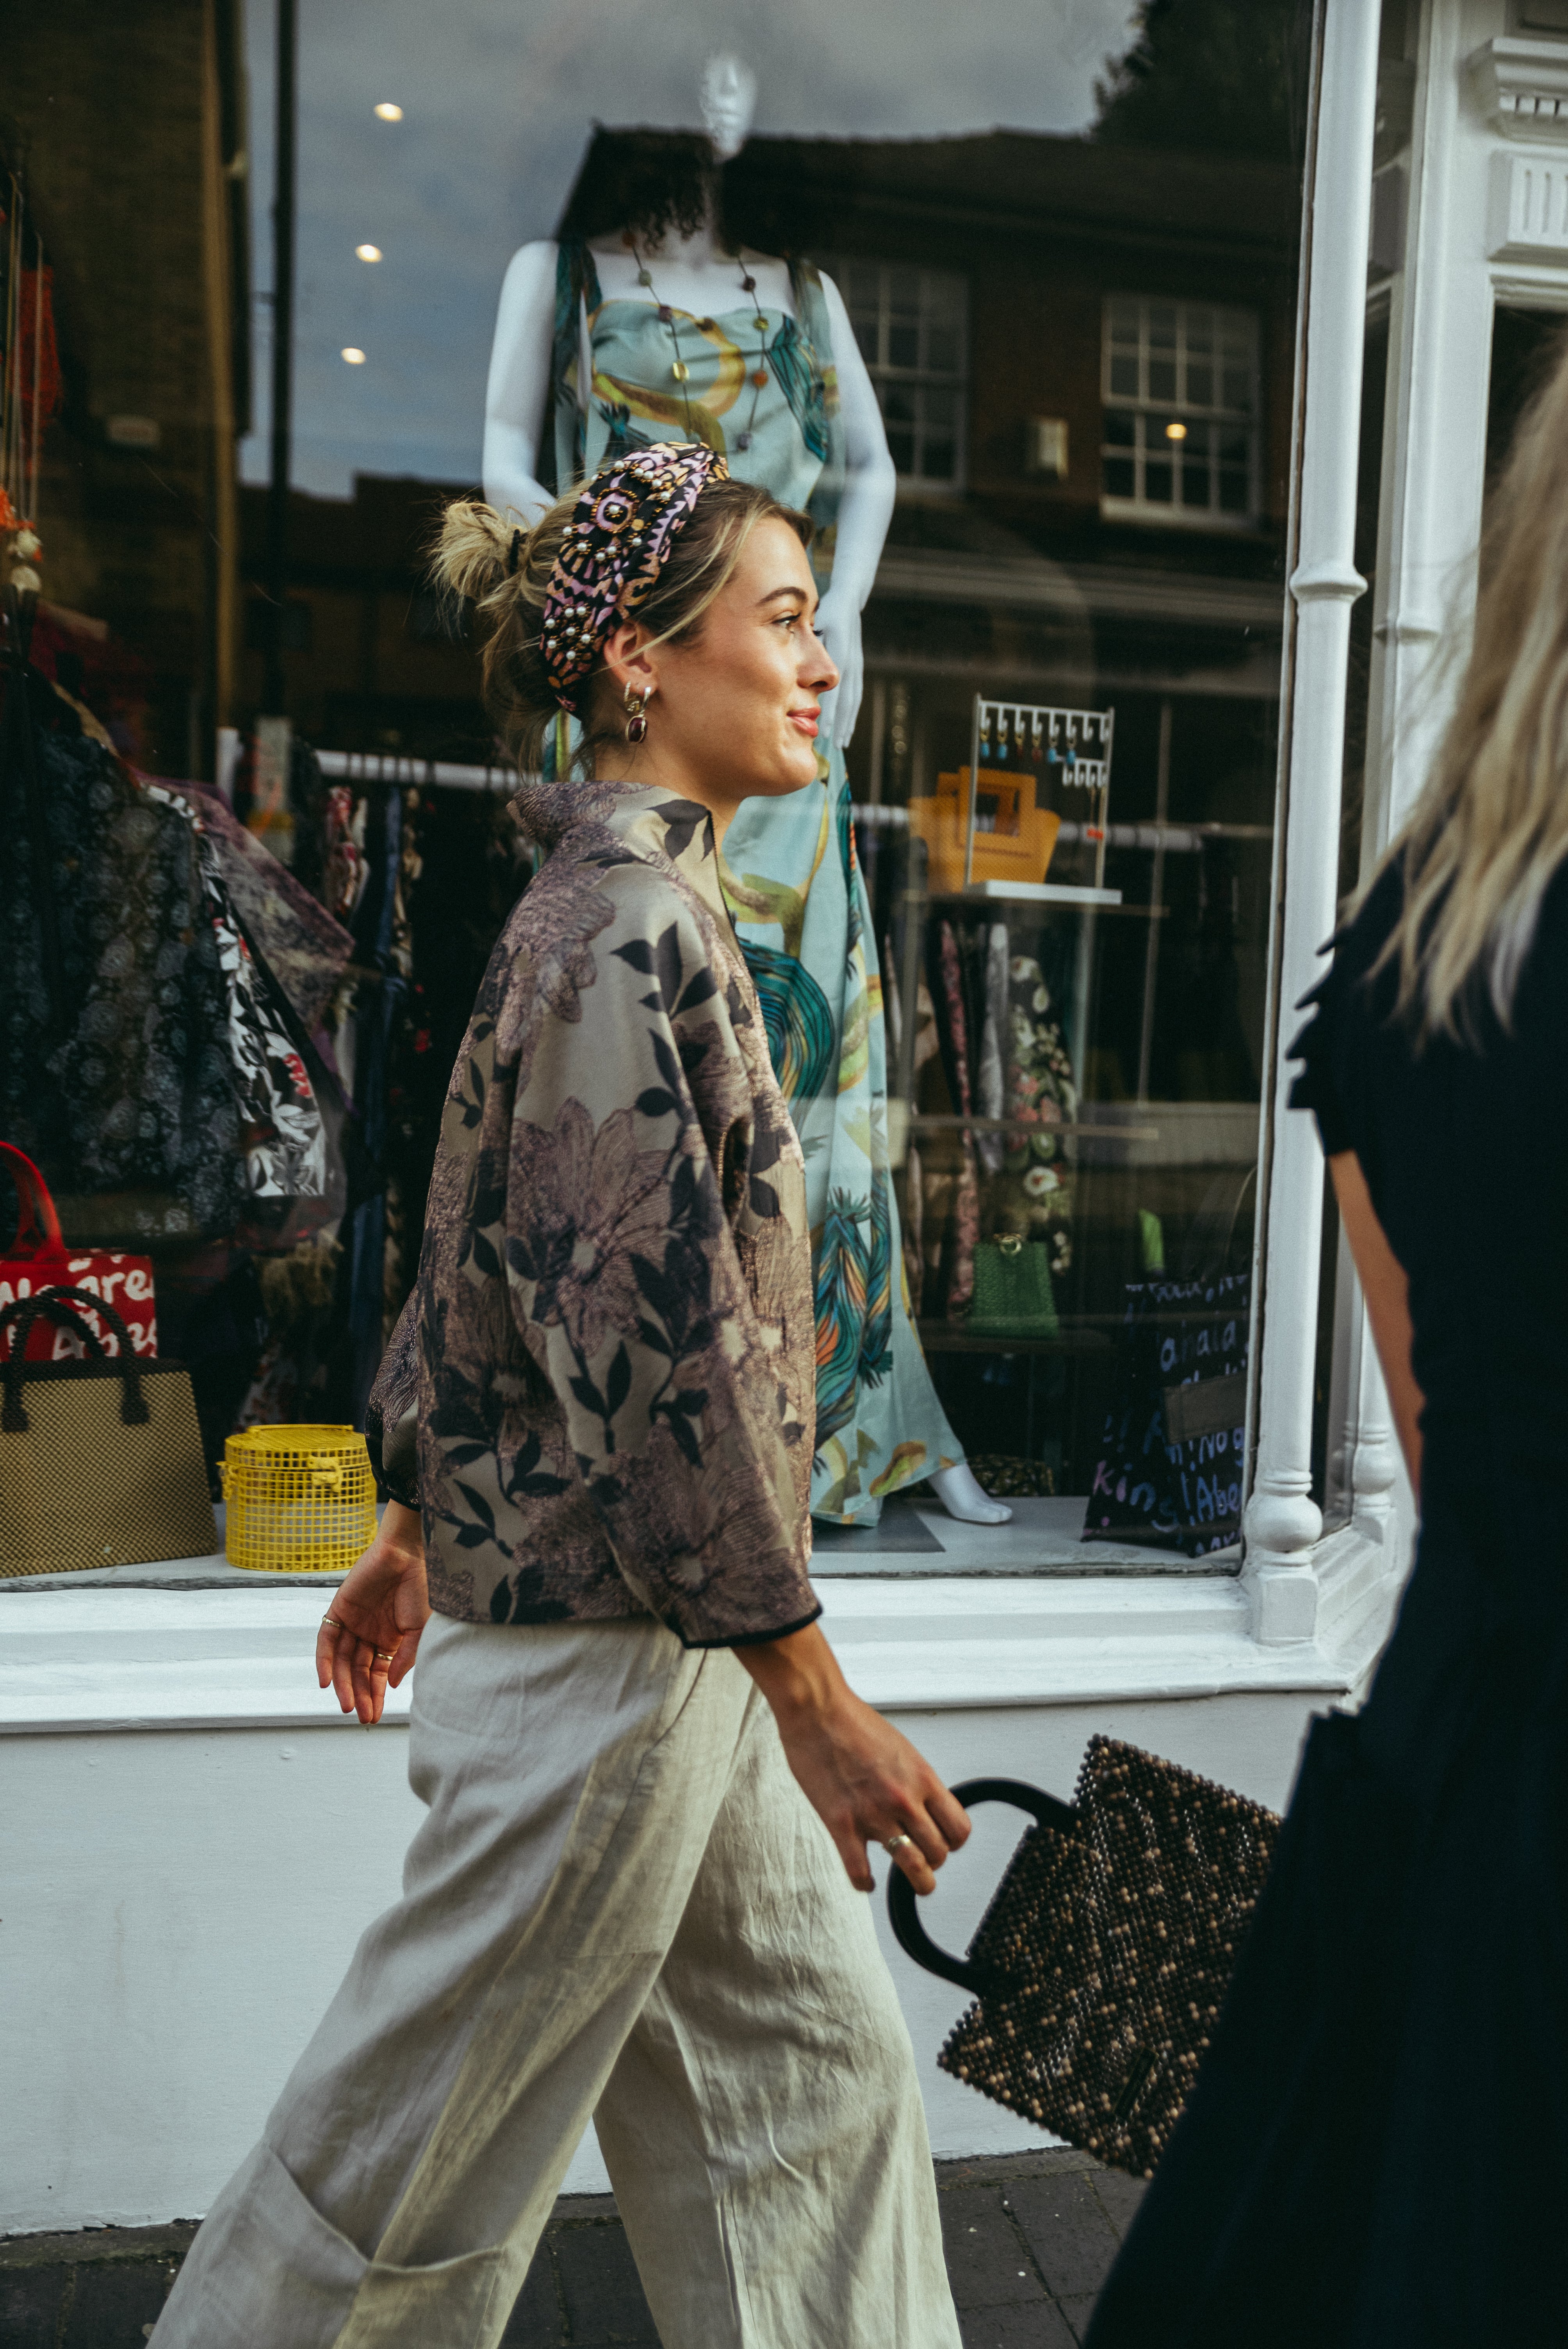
(820, 670)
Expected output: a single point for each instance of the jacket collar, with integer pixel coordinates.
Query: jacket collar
(646, 819)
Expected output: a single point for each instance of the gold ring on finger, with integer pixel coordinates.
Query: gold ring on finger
(384, 1655)
(896, 1843)
(334, 1623)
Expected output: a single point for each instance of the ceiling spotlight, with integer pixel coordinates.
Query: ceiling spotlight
(355, 357)
(367, 252)
(388, 112)
(1175, 432)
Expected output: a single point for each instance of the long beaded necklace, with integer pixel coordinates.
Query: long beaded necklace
(680, 370)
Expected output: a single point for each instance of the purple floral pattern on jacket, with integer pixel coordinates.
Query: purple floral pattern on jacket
(601, 1390)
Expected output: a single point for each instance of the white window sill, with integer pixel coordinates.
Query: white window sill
(233, 1653)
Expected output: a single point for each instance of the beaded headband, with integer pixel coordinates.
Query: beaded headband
(616, 543)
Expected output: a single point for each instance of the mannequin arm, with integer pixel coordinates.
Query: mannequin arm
(517, 397)
(864, 514)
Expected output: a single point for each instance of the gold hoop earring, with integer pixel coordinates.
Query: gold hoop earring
(637, 720)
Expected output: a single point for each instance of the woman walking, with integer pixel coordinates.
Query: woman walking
(1374, 2152)
(637, 1751)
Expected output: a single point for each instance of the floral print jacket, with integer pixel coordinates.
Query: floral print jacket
(600, 1393)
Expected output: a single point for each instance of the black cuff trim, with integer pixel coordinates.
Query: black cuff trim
(748, 1639)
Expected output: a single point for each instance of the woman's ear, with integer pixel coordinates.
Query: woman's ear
(627, 658)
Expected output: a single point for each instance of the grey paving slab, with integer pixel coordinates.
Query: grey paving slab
(1068, 2230)
(605, 2308)
(1120, 2195)
(986, 2262)
(118, 2302)
(1028, 2238)
(1078, 2311)
(1039, 2327)
(537, 2319)
(32, 2300)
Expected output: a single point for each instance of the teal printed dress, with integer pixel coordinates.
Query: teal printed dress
(790, 875)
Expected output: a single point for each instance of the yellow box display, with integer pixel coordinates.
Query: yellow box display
(1015, 843)
(301, 1500)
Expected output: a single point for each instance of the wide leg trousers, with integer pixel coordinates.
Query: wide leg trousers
(621, 1905)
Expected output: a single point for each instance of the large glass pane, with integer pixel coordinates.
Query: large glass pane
(1077, 334)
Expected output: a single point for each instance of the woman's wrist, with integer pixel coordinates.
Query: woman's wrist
(404, 1528)
(799, 1675)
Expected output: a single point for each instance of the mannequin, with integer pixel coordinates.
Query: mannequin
(687, 269)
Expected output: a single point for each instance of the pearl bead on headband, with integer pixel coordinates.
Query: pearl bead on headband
(615, 545)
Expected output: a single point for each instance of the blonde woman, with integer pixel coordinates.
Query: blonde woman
(638, 1894)
(1375, 2151)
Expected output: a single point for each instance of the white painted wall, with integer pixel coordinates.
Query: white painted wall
(182, 1898)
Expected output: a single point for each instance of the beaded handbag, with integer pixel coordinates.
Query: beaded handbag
(1101, 1964)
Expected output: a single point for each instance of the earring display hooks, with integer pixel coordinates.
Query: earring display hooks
(1072, 745)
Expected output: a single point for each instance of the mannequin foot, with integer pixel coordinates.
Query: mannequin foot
(963, 1498)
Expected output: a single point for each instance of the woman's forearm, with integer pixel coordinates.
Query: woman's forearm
(1387, 1290)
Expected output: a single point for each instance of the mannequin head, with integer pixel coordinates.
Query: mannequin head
(729, 103)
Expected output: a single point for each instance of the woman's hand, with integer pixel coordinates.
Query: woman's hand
(368, 1636)
(862, 1777)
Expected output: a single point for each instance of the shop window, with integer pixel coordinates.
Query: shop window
(1072, 1011)
(435, 619)
(912, 325)
(297, 629)
(1180, 385)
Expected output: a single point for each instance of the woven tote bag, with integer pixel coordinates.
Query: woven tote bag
(1013, 1292)
(100, 1460)
(1101, 1964)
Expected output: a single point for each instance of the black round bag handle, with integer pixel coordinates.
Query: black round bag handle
(1047, 1811)
(56, 1302)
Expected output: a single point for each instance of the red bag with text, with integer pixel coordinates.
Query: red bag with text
(38, 1259)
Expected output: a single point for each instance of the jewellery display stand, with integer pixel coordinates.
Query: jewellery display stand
(1073, 743)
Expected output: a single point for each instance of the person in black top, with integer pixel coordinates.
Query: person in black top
(1375, 2153)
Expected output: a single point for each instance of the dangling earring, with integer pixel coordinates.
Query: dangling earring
(638, 722)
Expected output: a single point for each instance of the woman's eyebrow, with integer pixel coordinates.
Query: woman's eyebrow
(799, 595)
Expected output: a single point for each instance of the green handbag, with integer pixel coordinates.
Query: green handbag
(1013, 1295)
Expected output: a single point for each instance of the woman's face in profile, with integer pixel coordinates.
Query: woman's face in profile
(742, 703)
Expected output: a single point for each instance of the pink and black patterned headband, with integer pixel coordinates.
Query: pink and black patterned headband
(616, 543)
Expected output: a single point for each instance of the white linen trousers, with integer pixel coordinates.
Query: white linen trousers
(621, 1905)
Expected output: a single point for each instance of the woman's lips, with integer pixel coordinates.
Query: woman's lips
(806, 720)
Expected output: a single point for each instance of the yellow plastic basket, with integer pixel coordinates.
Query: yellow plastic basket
(301, 1500)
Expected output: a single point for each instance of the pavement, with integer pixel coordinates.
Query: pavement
(1029, 2238)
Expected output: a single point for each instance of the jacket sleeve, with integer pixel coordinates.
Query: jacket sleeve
(391, 1416)
(627, 1285)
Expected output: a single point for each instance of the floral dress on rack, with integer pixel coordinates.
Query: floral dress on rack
(766, 398)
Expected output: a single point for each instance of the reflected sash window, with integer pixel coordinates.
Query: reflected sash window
(912, 326)
(1179, 389)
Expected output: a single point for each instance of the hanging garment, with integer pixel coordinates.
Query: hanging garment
(1035, 1195)
(967, 1199)
(990, 1091)
(792, 880)
(114, 1069)
(151, 1053)
(305, 949)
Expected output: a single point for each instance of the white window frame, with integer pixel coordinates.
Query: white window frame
(1168, 423)
(942, 302)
